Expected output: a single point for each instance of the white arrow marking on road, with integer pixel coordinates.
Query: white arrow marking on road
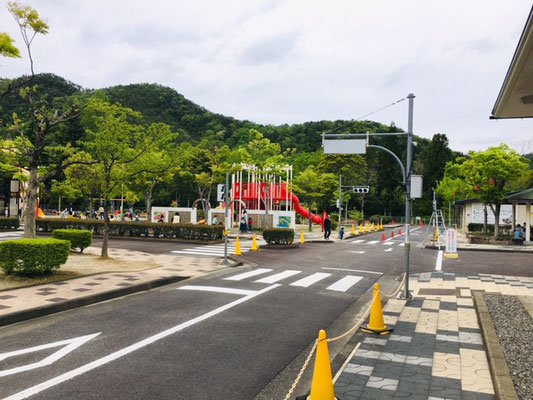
(130, 349)
(69, 345)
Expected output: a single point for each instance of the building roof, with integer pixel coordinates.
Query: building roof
(523, 195)
(515, 99)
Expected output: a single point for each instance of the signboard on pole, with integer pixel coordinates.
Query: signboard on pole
(345, 146)
(451, 243)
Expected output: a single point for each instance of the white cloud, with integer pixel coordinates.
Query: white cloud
(295, 61)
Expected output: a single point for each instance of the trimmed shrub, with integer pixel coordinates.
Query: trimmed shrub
(33, 256)
(135, 229)
(79, 238)
(474, 227)
(278, 235)
(9, 223)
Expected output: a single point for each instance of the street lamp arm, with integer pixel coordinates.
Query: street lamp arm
(395, 157)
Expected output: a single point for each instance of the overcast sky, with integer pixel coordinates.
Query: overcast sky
(275, 61)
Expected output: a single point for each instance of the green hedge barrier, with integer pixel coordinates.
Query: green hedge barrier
(474, 227)
(9, 223)
(135, 229)
(79, 238)
(33, 256)
(278, 235)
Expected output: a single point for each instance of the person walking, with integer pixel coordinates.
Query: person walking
(327, 227)
(341, 233)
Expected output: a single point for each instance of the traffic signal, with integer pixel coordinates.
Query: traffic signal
(220, 191)
(361, 189)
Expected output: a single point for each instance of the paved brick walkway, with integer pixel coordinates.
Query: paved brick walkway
(436, 350)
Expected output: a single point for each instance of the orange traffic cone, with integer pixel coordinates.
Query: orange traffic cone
(238, 248)
(322, 386)
(376, 323)
(392, 234)
(411, 222)
(383, 237)
(421, 223)
(400, 232)
(393, 223)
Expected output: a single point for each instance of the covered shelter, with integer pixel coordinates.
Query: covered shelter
(523, 197)
(515, 99)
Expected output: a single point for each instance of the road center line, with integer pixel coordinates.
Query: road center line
(438, 265)
(354, 270)
(130, 349)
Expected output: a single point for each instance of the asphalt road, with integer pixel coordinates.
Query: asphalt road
(210, 337)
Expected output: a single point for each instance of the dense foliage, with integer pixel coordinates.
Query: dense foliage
(33, 256)
(279, 236)
(9, 223)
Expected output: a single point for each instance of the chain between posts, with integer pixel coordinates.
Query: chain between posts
(354, 327)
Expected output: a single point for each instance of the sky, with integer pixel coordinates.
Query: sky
(291, 61)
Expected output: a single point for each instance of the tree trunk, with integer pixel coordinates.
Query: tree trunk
(31, 204)
(485, 219)
(107, 226)
(496, 218)
(310, 218)
(90, 209)
(148, 198)
(59, 205)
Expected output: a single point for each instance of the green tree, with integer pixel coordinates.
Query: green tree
(64, 190)
(312, 187)
(489, 174)
(30, 24)
(116, 141)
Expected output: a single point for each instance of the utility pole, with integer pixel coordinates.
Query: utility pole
(226, 229)
(340, 197)
(407, 244)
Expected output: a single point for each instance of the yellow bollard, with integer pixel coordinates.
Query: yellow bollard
(376, 323)
(238, 248)
(322, 386)
(366, 227)
(302, 239)
(353, 229)
(372, 227)
(254, 244)
(436, 234)
(360, 228)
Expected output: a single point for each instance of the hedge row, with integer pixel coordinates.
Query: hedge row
(278, 235)
(33, 256)
(473, 227)
(135, 229)
(78, 238)
(9, 223)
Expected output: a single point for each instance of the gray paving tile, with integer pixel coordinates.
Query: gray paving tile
(445, 388)
(448, 305)
(7, 296)
(2, 307)
(56, 299)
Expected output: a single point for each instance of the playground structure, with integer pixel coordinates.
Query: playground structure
(256, 190)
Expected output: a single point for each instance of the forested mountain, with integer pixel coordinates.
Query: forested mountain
(300, 143)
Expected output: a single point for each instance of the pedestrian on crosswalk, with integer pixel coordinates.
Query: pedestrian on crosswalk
(327, 227)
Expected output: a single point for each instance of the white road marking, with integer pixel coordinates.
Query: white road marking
(69, 345)
(358, 241)
(401, 244)
(308, 281)
(354, 270)
(389, 249)
(130, 349)
(438, 265)
(388, 243)
(373, 242)
(357, 252)
(278, 277)
(342, 285)
(249, 274)
(403, 233)
(217, 289)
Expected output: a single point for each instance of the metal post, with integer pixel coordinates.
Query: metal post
(226, 189)
(407, 243)
(340, 197)
(122, 200)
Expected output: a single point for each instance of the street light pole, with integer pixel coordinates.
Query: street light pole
(407, 243)
(225, 262)
(340, 197)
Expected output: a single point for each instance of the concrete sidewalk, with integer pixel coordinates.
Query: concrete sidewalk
(436, 350)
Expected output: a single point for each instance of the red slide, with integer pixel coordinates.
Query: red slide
(304, 212)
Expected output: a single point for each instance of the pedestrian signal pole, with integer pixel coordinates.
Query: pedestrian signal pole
(226, 227)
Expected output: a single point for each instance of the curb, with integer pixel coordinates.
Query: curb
(503, 384)
(42, 311)
(499, 250)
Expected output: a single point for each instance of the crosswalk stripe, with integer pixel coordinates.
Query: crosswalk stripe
(342, 285)
(308, 281)
(389, 249)
(388, 243)
(249, 274)
(357, 241)
(373, 242)
(401, 244)
(278, 277)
